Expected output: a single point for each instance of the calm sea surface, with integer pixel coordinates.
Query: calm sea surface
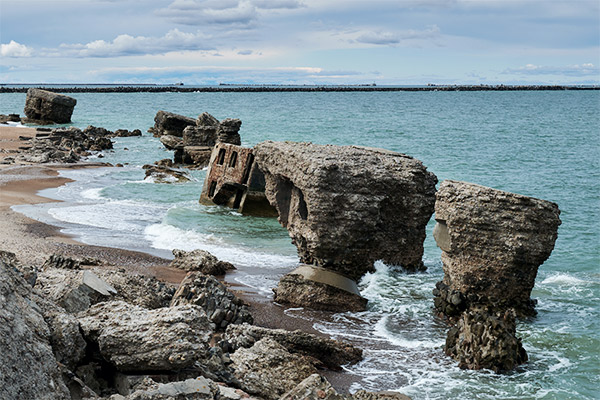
(541, 144)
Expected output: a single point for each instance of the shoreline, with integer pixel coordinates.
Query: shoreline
(33, 242)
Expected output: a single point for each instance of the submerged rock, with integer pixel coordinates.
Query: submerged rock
(163, 174)
(330, 353)
(220, 304)
(135, 339)
(347, 206)
(200, 260)
(47, 107)
(492, 244)
(484, 339)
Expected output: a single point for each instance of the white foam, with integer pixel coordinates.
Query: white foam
(381, 330)
(564, 279)
(92, 194)
(168, 237)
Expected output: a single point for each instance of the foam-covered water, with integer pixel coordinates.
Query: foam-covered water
(542, 144)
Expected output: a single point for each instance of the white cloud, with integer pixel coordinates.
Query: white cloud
(14, 49)
(586, 69)
(125, 45)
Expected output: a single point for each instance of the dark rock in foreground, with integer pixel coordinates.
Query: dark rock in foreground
(47, 107)
(493, 243)
(347, 206)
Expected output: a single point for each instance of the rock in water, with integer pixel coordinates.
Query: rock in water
(167, 123)
(348, 206)
(228, 131)
(41, 105)
(135, 339)
(220, 304)
(486, 340)
(28, 367)
(493, 243)
(163, 174)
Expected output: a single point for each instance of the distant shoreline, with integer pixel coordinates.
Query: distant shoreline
(268, 88)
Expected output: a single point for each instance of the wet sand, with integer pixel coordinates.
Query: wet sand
(33, 241)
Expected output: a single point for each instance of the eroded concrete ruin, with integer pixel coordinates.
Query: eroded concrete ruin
(234, 180)
(46, 107)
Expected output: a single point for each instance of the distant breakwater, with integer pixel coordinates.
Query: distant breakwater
(257, 89)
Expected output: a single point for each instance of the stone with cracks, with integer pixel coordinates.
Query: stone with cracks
(168, 123)
(134, 339)
(348, 206)
(492, 245)
(200, 260)
(48, 107)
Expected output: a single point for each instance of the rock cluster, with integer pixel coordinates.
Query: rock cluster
(45, 107)
(66, 145)
(347, 206)
(193, 140)
(220, 304)
(200, 260)
(492, 245)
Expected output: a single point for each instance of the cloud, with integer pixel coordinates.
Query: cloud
(384, 38)
(238, 13)
(586, 69)
(14, 49)
(126, 45)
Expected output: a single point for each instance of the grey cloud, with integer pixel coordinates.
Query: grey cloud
(244, 52)
(396, 38)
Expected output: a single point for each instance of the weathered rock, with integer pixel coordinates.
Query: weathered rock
(167, 123)
(162, 174)
(200, 135)
(198, 156)
(493, 243)
(135, 339)
(220, 304)
(74, 290)
(483, 339)
(200, 260)
(205, 119)
(144, 291)
(171, 142)
(269, 370)
(228, 131)
(190, 389)
(28, 367)
(127, 133)
(319, 289)
(348, 206)
(316, 387)
(61, 262)
(330, 353)
(41, 105)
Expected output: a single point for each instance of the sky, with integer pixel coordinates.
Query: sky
(207, 42)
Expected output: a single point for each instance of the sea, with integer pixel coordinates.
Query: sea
(544, 144)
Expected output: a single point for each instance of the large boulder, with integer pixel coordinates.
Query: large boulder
(41, 105)
(326, 352)
(28, 367)
(492, 244)
(134, 339)
(348, 206)
(220, 304)
(168, 123)
(484, 339)
(267, 369)
(228, 131)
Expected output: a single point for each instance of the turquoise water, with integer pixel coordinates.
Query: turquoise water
(541, 144)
